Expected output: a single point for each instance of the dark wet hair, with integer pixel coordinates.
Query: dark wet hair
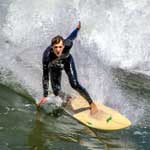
(56, 40)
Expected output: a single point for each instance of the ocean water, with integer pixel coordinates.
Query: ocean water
(112, 58)
(23, 126)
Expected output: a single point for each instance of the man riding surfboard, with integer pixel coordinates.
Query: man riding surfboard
(56, 58)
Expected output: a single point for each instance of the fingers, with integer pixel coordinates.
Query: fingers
(42, 101)
(79, 25)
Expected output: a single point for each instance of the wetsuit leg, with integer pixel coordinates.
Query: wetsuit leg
(70, 69)
(55, 76)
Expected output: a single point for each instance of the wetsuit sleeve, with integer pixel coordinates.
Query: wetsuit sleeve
(45, 78)
(73, 34)
(69, 42)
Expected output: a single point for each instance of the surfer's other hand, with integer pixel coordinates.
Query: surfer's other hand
(79, 25)
(94, 108)
(42, 101)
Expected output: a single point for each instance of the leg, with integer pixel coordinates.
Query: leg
(70, 69)
(55, 76)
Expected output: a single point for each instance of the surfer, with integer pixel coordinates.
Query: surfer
(56, 58)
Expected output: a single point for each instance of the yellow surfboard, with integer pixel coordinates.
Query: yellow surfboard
(105, 119)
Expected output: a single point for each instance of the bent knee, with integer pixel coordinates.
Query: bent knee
(75, 85)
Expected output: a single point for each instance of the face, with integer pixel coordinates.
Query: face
(58, 48)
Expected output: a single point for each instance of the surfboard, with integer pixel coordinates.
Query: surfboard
(105, 119)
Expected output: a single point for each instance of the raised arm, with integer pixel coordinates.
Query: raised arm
(74, 33)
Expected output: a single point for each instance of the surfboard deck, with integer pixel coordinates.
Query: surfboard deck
(105, 119)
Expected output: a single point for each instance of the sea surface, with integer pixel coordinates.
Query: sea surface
(24, 127)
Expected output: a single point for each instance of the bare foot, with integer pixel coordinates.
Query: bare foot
(68, 98)
(94, 108)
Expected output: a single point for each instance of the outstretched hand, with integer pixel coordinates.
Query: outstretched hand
(42, 101)
(79, 25)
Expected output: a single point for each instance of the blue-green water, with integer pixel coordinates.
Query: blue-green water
(23, 127)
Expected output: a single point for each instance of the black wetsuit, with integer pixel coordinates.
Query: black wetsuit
(53, 66)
